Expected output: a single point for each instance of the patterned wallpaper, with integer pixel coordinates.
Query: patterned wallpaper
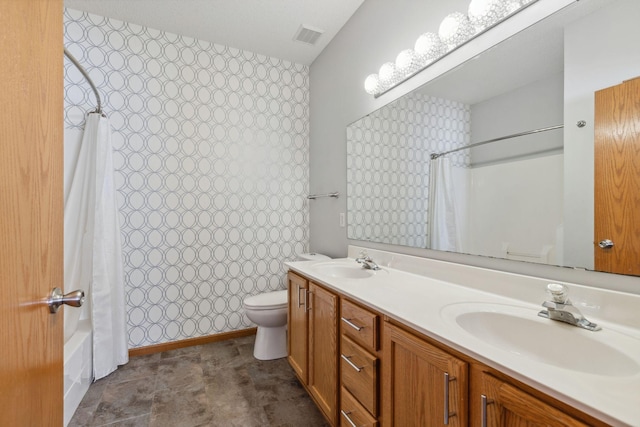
(388, 166)
(211, 166)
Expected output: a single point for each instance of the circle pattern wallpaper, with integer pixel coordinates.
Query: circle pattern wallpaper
(388, 158)
(211, 158)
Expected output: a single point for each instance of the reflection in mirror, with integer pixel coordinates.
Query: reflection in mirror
(528, 198)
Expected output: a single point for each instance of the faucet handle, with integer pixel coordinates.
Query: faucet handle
(559, 293)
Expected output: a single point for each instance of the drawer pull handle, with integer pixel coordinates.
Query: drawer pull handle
(348, 360)
(299, 288)
(447, 414)
(485, 402)
(354, 326)
(348, 418)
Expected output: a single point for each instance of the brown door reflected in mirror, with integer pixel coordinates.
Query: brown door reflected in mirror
(617, 178)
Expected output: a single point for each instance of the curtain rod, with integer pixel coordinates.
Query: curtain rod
(515, 135)
(86, 76)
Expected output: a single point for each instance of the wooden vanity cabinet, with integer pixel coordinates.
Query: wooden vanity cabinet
(403, 378)
(359, 365)
(422, 385)
(313, 342)
(502, 405)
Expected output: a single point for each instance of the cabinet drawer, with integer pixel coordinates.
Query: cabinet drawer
(359, 373)
(359, 324)
(352, 413)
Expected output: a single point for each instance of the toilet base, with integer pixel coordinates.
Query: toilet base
(271, 343)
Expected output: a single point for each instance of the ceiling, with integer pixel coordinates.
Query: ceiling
(267, 27)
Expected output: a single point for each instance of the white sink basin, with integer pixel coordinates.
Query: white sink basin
(342, 270)
(520, 331)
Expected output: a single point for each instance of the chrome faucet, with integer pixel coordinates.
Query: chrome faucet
(563, 310)
(367, 262)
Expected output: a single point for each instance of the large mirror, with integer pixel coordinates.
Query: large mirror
(527, 198)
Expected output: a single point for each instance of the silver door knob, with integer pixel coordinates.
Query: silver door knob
(57, 298)
(605, 244)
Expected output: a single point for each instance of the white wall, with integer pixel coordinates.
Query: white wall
(375, 34)
(523, 211)
(601, 51)
(534, 106)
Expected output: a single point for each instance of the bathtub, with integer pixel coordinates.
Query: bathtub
(78, 372)
(78, 358)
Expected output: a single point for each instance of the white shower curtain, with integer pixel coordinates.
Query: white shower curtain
(92, 248)
(447, 205)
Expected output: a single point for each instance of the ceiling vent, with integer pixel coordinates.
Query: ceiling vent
(308, 35)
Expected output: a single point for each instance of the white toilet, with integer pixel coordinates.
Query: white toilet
(269, 311)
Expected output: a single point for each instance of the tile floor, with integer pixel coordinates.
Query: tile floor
(217, 384)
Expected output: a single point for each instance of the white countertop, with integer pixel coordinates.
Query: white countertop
(423, 293)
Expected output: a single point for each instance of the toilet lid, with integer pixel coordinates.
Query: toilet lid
(267, 300)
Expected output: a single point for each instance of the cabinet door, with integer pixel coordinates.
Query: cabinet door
(422, 385)
(323, 350)
(297, 334)
(505, 405)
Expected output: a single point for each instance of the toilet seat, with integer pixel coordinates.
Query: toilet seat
(267, 301)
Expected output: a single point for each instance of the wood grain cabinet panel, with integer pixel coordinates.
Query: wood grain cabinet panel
(297, 333)
(323, 350)
(503, 405)
(353, 413)
(422, 384)
(359, 324)
(359, 372)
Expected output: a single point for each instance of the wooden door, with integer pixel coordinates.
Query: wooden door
(31, 212)
(414, 383)
(323, 350)
(508, 406)
(617, 178)
(297, 334)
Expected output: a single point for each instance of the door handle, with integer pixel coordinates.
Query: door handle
(483, 409)
(299, 288)
(447, 414)
(605, 244)
(353, 365)
(56, 298)
(350, 323)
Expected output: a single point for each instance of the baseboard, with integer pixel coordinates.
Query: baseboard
(157, 348)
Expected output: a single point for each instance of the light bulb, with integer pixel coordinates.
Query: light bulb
(429, 47)
(512, 5)
(407, 62)
(455, 29)
(387, 74)
(484, 13)
(372, 84)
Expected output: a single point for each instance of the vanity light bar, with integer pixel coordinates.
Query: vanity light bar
(456, 30)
